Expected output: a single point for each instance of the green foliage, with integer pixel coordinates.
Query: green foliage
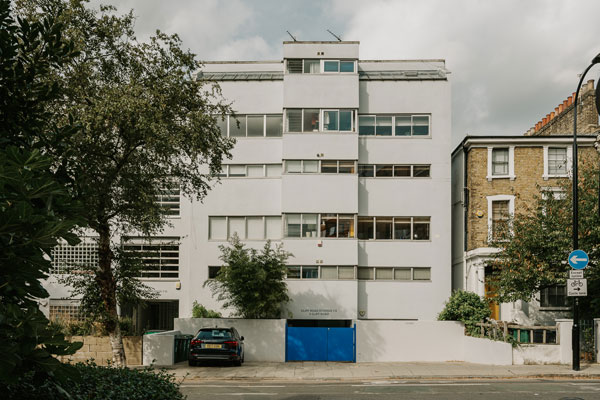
(36, 207)
(103, 383)
(466, 307)
(89, 328)
(251, 282)
(199, 311)
(535, 246)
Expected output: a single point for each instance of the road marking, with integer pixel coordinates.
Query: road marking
(229, 386)
(244, 394)
(420, 384)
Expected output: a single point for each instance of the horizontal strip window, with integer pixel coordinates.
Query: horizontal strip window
(246, 227)
(317, 66)
(324, 272)
(393, 228)
(394, 125)
(169, 198)
(258, 125)
(159, 256)
(394, 274)
(318, 120)
(250, 171)
(320, 166)
(319, 225)
(391, 170)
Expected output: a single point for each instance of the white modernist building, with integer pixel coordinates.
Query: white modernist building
(345, 161)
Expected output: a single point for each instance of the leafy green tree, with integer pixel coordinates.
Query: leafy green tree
(36, 208)
(146, 122)
(199, 311)
(536, 242)
(252, 282)
(466, 307)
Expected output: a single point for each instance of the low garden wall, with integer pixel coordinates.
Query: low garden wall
(99, 349)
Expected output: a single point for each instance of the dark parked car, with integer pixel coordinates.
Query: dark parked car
(217, 344)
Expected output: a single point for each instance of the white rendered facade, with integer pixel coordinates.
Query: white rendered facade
(302, 208)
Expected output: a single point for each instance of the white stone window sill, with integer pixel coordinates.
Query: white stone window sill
(511, 177)
(548, 176)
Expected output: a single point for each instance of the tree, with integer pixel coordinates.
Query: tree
(536, 242)
(36, 208)
(146, 122)
(250, 282)
(466, 307)
(199, 311)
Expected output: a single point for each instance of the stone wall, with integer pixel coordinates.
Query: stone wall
(99, 349)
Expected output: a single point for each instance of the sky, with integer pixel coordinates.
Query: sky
(511, 61)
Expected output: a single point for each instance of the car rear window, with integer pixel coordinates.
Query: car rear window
(214, 334)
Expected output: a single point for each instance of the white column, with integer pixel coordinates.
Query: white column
(564, 331)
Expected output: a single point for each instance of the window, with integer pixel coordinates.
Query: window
(384, 170)
(258, 125)
(250, 171)
(66, 258)
(160, 256)
(246, 227)
(402, 170)
(554, 296)
(394, 273)
(310, 272)
(320, 166)
(294, 66)
(557, 161)
(301, 225)
(328, 225)
(64, 310)
(365, 170)
(237, 171)
(389, 170)
(394, 125)
(313, 66)
(329, 167)
(331, 66)
(329, 272)
(222, 124)
(396, 228)
(421, 171)
(317, 120)
(213, 271)
(499, 162)
(346, 66)
(319, 225)
(500, 216)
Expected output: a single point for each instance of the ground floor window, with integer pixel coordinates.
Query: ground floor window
(554, 296)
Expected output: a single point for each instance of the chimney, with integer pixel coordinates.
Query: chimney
(551, 115)
(565, 104)
(569, 100)
(561, 108)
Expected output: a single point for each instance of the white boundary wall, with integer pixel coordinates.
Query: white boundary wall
(159, 348)
(264, 339)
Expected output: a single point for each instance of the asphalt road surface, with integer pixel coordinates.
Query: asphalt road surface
(451, 390)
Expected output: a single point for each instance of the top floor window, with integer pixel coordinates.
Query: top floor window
(317, 66)
(557, 161)
(394, 125)
(500, 163)
(318, 120)
(259, 125)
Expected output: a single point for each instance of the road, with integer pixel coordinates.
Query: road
(436, 389)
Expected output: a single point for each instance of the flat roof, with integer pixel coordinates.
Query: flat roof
(320, 42)
(521, 139)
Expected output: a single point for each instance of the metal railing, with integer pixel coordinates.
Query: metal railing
(503, 330)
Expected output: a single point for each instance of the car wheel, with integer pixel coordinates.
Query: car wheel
(192, 363)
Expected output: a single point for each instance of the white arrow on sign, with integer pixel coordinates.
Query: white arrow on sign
(576, 259)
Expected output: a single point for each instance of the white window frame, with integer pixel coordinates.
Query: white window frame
(321, 128)
(511, 209)
(511, 163)
(569, 166)
(393, 135)
(245, 238)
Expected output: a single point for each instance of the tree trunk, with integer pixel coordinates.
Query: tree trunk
(108, 289)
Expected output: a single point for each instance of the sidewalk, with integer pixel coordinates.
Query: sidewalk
(332, 371)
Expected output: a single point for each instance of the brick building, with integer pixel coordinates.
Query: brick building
(493, 176)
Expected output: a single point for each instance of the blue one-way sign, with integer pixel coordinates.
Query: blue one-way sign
(578, 259)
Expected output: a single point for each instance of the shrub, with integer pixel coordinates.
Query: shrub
(102, 383)
(466, 307)
(199, 311)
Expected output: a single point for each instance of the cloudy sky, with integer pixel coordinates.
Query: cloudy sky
(512, 61)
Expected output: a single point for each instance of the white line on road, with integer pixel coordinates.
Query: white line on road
(229, 386)
(421, 384)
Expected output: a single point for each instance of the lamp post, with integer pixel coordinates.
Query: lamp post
(575, 331)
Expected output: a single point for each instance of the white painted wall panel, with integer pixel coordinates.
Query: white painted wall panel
(333, 146)
(320, 91)
(319, 193)
(316, 299)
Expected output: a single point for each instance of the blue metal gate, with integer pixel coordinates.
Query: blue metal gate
(320, 344)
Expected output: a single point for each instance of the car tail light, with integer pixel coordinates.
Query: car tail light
(232, 343)
(196, 342)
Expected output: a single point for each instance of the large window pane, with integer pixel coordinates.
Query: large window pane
(421, 125)
(383, 126)
(403, 126)
(256, 227)
(329, 167)
(310, 166)
(383, 170)
(365, 228)
(365, 273)
(310, 272)
(365, 170)
(237, 170)
(255, 125)
(255, 171)
(384, 273)
(422, 274)
(312, 66)
(217, 228)
(328, 272)
(499, 161)
(274, 125)
(402, 228)
(346, 66)
(330, 120)
(222, 124)
(328, 225)
(383, 228)
(237, 225)
(273, 170)
(345, 120)
(293, 272)
(293, 166)
(294, 120)
(402, 274)
(213, 271)
(557, 161)
(346, 226)
(311, 120)
(331, 66)
(421, 228)
(309, 225)
(346, 167)
(292, 225)
(237, 126)
(366, 125)
(421, 171)
(402, 170)
(273, 227)
(345, 272)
